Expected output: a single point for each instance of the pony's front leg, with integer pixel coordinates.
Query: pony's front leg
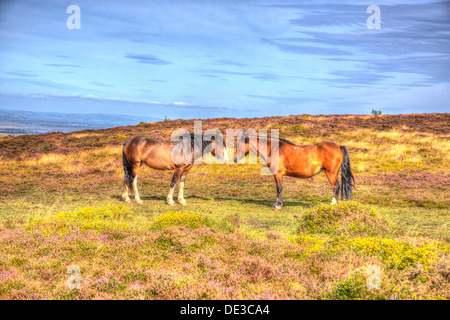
(125, 196)
(332, 177)
(136, 193)
(175, 178)
(181, 189)
(170, 195)
(279, 180)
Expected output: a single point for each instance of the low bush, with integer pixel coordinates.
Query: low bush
(98, 219)
(346, 217)
(189, 220)
(394, 254)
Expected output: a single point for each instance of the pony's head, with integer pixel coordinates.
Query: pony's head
(192, 147)
(242, 149)
(219, 150)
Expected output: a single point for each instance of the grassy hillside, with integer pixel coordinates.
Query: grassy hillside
(60, 205)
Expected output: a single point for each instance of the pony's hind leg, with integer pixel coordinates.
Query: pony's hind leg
(176, 176)
(336, 192)
(279, 181)
(136, 193)
(181, 199)
(135, 189)
(125, 196)
(332, 177)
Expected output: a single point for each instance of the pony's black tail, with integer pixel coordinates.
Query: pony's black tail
(128, 174)
(347, 178)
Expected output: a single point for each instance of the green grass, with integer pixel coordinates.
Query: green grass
(57, 209)
(433, 223)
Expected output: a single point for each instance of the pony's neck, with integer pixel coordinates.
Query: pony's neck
(255, 144)
(200, 146)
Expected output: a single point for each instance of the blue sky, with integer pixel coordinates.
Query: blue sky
(206, 59)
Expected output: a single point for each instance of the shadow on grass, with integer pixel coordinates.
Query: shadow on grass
(263, 203)
(119, 198)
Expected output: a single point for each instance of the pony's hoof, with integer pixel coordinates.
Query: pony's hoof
(170, 202)
(139, 201)
(127, 200)
(182, 202)
(277, 206)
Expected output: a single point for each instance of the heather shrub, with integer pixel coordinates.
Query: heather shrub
(189, 220)
(292, 128)
(99, 219)
(394, 254)
(344, 218)
(353, 287)
(393, 286)
(304, 245)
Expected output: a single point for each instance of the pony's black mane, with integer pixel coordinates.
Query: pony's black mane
(287, 141)
(280, 139)
(204, 143)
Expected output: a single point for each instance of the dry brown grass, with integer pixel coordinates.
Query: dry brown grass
(83, 135)
(74, 162)
(413, 149)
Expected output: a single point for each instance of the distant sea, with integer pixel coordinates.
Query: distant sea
(16, 122)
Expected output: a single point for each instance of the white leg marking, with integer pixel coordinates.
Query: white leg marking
(136, 193)
(225, 155)
(125, 193)
(181, 194)
(170, 197)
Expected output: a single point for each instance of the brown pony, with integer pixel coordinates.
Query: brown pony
(162, 155)
(301, 162)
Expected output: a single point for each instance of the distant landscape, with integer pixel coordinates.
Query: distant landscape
(16, 122)
(61, 208)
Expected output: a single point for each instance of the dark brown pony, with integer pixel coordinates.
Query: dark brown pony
(163, 155)
(301, 162)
